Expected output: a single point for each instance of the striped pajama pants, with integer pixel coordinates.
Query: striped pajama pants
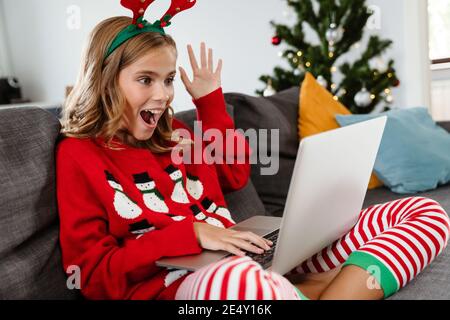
(394, 242)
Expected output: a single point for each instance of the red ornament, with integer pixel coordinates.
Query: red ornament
(396, 83)
(276, 40)
(140, 26)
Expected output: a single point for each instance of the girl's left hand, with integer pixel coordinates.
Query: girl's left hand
(206, 80)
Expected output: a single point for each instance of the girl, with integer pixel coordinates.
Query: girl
(124, 203)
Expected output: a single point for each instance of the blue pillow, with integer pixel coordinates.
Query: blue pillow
(414, 155)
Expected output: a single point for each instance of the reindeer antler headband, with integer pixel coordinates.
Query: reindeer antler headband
(140, 25)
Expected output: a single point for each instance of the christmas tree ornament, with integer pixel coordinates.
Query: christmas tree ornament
(322, 81)
(269, 91)
(340, 27)
(139, 25)
(333, 35)
(276, 40)
(363, 98)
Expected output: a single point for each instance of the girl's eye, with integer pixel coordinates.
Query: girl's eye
(171, 80)
(145, 81)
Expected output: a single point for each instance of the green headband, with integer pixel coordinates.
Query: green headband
(142, 26)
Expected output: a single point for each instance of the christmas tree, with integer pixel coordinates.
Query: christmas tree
(340, 26)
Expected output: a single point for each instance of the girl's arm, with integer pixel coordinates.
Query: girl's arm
(110, 269)
(205, 88)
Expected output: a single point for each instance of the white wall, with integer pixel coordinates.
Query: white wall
(45, 54)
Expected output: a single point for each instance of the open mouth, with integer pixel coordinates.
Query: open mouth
(149, 117)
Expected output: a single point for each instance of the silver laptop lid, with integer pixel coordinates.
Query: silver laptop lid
(327, 190)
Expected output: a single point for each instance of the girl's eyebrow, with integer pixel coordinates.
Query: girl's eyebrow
(152, 73)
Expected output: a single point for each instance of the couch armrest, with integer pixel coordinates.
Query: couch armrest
(445, 125)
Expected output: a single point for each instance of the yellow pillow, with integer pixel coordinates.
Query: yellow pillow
(317, 113)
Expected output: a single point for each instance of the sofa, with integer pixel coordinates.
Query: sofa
(30, 257)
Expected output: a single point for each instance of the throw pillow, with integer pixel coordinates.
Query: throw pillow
(414, 154)
(317, 113)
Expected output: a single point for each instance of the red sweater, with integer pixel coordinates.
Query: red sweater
(121, 211)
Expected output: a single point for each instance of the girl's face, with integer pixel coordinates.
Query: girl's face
(148, 88)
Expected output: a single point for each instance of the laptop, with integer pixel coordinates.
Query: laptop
(326, 194)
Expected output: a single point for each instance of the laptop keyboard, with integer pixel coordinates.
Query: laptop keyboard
(265, 259)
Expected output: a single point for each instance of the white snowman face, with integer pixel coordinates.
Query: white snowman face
(146, 186)
(176, 175)
(212, 208)
(115, 185)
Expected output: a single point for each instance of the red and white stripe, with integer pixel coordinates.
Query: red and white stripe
(405, 235)
(236, 278)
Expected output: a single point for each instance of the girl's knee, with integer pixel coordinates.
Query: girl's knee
(236, 278)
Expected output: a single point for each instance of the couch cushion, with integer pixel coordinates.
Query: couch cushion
(414, 154)
(279, 112)
(30, 258)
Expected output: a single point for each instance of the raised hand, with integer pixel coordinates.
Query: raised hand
(205, 79)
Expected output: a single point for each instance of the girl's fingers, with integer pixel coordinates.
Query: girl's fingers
(249, 236)
(184, 77)
(210, 60)
(192, 58)
(246, 245)
(203, 55)
(219, 67)
(234, 250)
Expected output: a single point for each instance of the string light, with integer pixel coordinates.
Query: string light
(333, 86)
(295, 60)
(336, 98)
(333, 69)
(330, 54)
(372, 96)
(299, 53)
(308, 64)
(387, 91)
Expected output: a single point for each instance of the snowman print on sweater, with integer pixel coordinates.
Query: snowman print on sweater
(173, 275)
(211, 207)
(179, 193)
(153, 199)
(194, 187)
(125, 207)
(140, 228)
(199, 215)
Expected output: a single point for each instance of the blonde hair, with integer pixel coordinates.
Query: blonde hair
(95, 106)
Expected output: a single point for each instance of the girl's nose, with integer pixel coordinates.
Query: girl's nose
(161, 93)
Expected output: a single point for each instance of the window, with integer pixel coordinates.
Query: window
(439, 20)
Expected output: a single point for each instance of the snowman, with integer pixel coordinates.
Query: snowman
(141, 227)
(176, 218)
(194, 186)
(153, 199)
(199, 215)
(173, 276)
(211, 207)
(179, 194)
(125, 207)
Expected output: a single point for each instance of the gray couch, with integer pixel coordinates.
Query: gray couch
(30, 259)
